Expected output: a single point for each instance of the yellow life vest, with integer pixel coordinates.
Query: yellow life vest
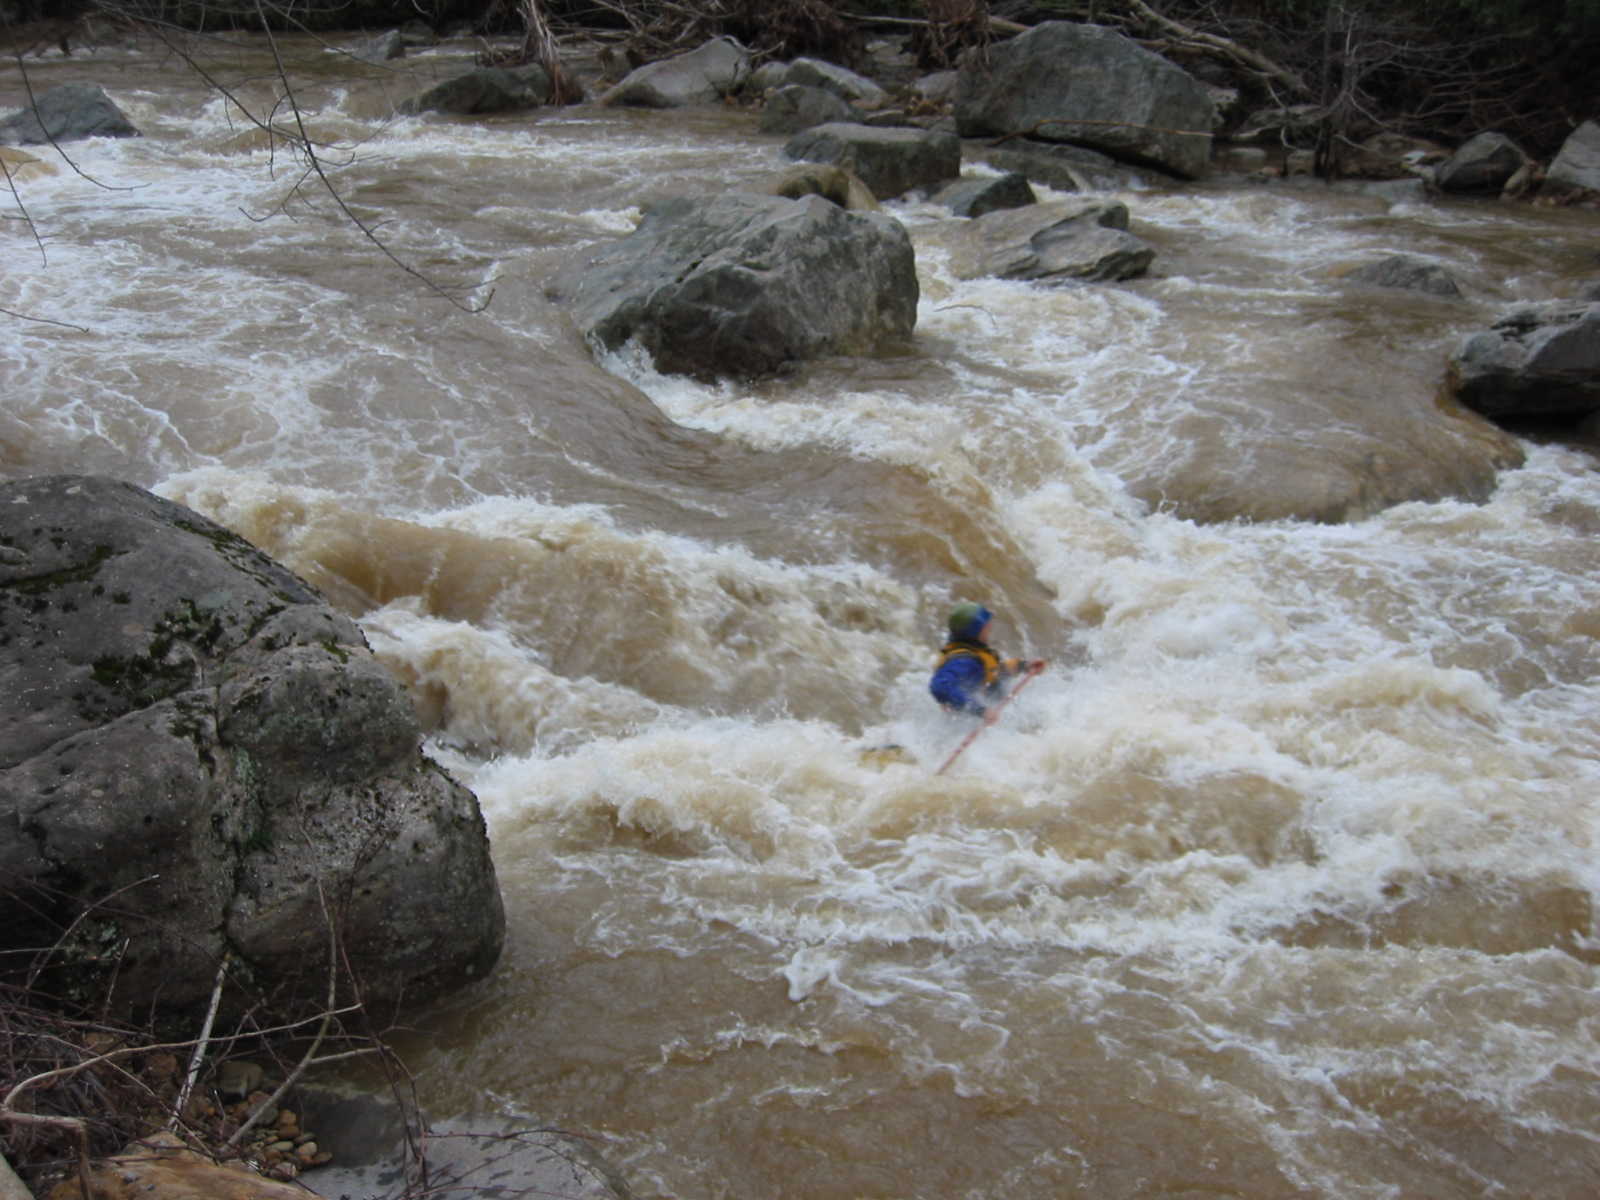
(989, 659)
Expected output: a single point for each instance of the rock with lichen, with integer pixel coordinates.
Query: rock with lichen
(199, 756)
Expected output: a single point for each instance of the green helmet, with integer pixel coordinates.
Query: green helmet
(967, 620)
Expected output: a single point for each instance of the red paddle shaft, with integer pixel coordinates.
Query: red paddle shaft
(993, 715)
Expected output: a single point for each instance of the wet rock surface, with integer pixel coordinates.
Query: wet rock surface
(741, 284)
(199, 755)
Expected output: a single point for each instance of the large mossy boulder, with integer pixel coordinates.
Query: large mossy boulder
(740, 284)
(199, 756)
(1090, 86)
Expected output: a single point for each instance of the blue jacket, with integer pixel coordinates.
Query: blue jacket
(967, 677)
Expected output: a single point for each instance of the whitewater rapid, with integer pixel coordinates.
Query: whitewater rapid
(1279, 882)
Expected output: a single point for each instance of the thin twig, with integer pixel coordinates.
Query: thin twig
(44, 320)
(199, 1054)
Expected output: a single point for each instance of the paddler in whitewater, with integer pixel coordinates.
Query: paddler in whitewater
(970, 676)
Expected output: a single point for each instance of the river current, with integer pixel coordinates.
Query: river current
(1278, 883)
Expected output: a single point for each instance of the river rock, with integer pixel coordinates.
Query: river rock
(889, 161)
(381, 49)
(68, 113)
(1538, 362)
(705, 75)
(1483, 163)
(741, 284)
(793, 107)
(986, 194)
(856, 90)
(842, 187)
(191, 738)
(937, 87)
(1407, 272)
(485, 90)
(1061, 242)
(1088, 85)
(1576, 169)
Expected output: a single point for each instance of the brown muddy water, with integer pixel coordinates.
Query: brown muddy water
(1279, 884)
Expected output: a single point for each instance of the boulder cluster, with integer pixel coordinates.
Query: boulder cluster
(807, 266)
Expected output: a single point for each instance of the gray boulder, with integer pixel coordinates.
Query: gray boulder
(485, 90)
(1483, 163)
(702, 76)
(939, 87)
(742, 284)
(985, 194)
(793, 107)
(1409, 273)
(199, 755)
(889, 161)
(1062, 242)
(1576, 169)
(68, 113)
(1089, 85)
(1538, 362)
(856, 90)
(385, 47)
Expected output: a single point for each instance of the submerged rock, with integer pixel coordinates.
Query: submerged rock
(741, 284)
(1408, 272)
(198, 754)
